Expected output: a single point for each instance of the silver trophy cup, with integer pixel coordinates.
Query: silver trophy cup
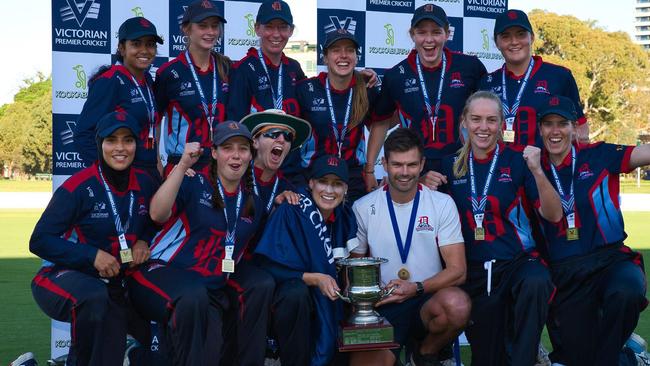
(362, 288)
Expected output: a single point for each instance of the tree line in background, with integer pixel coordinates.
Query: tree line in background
(613, 75)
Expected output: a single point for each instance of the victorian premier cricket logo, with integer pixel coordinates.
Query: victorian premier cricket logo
(88, 9)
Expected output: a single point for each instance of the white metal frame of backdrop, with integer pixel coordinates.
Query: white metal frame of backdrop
(84, 37)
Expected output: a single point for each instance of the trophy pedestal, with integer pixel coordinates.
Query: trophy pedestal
(354, 337)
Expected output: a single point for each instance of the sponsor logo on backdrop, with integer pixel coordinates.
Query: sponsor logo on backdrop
(332, 20)
(66, 159)
(137, 12)
(81, 26)
(253, 41)
(485, 8)
(390, 48)
(485, 52)
(393, 6)
(81, 91)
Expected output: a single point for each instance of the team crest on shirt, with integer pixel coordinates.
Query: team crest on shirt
(186, 89)
(541, 87)
(423, 224)
(135, 96)
(206, 199)
(99, 211)
(584, 172)
(372, 210)
(142, 207)
(456, 80)
(410, 85)
(318, 105)
(504, 175)
(263, 83)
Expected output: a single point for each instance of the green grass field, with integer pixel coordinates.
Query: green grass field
(23, 327)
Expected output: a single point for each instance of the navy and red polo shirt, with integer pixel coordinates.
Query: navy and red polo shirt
(596, 188)
(314, 107)
(546, 79)
(111, 91)
(251, 89)
(194, 236)
(401, 91)
(511, 196)
(78, 220)
(179, 100)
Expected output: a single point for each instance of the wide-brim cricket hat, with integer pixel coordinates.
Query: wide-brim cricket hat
(273, 117)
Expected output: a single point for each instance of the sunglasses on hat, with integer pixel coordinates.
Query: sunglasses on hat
(274, 133)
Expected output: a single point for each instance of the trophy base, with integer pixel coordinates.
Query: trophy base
(366, 337)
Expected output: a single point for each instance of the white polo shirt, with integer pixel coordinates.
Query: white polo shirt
(436, 225)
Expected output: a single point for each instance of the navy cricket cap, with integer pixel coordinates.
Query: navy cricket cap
(559, 105)
(431, 12)
(276, 9)
(227, 129)
(511, 18)
(330, 164)
(110, 122)
(337, 35)
(199, 10)
(134, 28)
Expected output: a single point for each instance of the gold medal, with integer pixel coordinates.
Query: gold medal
(403, 274)
(126, 256)
(228, 266)
(572, 233)
(509, 136)
(479, 233)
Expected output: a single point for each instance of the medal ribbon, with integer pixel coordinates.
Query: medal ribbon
(277, 99)
(568, 204)
(403, 248)
(433, 116)
(119, 227)
(230, 233)
(344, 129)
(209, 112)
(151, 109)
(257, 191)
(478, 205)
(510, 113)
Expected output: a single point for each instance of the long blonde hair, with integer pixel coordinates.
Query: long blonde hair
(460, 165)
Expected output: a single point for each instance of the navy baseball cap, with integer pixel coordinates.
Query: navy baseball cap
(511, 18)
(110, 122)
(337, 35)
(330, 164)
(199, 10)
(134, 28)
(227, 129)
(559, 105)
(277, 9)
(431, 12)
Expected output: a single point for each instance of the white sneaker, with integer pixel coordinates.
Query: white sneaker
(26, 359)
(643, 359)
(449, 362)
(542, 357)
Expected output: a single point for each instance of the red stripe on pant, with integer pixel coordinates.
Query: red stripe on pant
(45, 283)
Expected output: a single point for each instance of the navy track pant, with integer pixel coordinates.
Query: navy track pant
(250, 291)
(188, 313)
(97, 313)
(597, 306)
(505, 327)
(291, 319)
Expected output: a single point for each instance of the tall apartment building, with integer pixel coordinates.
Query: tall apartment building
(642, 23)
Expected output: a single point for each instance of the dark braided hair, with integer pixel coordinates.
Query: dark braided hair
(218, 201)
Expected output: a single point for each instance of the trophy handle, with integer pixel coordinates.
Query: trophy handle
(344, 298)
(387, 291)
